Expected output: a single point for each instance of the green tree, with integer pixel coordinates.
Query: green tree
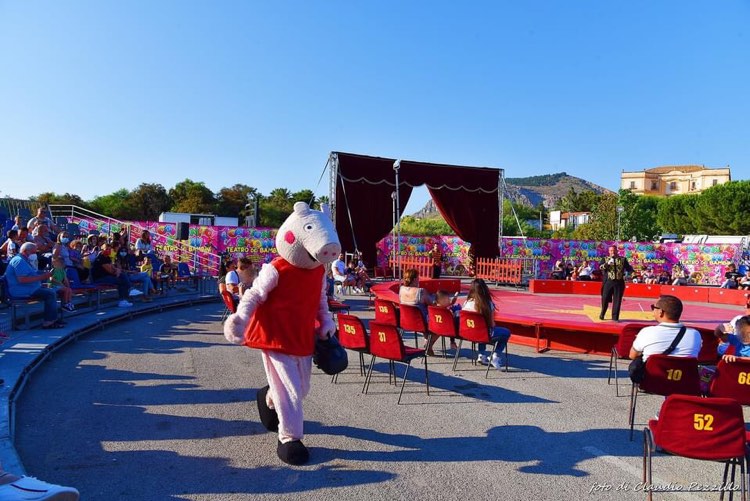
(676, 214)
(192, 197)
(232, 201)
(639, 216)
(113, 205)
(602, 224)
(147, 202)
(276, 207)
(52, 198)
(578, 202)
(723, 209)
(411, 225)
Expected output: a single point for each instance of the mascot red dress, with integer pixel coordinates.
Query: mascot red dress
(281, 315)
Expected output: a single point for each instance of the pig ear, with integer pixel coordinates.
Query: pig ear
(301, 208)
(325, 209)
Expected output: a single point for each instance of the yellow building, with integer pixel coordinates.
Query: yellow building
(673, 180)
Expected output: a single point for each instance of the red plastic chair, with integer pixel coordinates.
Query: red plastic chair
(336, 307)
(228, 299)
(385, 342)
(710, 429)
(472, 327)
(666, 375)
(386, 312)
(353, 336)
(621, 349)
(732, 380)
(412, 320)
(441, 322)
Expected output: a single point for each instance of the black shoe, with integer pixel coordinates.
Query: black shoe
(601, 317)
(268, 417)
(294, 452)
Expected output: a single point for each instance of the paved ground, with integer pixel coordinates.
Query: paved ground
(161, 407)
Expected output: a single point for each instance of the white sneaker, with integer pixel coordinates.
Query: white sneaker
(30, 488)
(496, 361)
(482, 359)
(135, 293)
(124, 304)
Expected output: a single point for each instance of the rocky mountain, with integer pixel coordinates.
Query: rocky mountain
(530, 191)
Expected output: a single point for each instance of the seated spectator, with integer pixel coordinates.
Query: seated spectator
(411, 293)
(354, 277)
(143, 245)
(103, 271)
(571, 272)
(18, 223)
(231, 281)
(61, 248)
(738, 338)
(731, 277)
(76, 257)
(59, 283)
(9, 248)
(585, 270)
(168, 272)
(558, 272)
(480, 301)
(147, 266)
(656, 339)
(664, 278)
(340, 275)
(445, 299)
(744, 283)
(126, 262)
(24, 235)
(247, 273)
(729, 328)
(44, 245)
(681, 279)
(24, 281)
(41, 218)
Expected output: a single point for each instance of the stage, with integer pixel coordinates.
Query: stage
(570, 322)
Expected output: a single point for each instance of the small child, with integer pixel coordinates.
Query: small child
(445, 299)
(739, 339)
(59, 282)
(147, 266)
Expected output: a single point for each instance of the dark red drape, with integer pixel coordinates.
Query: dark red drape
(465, 196)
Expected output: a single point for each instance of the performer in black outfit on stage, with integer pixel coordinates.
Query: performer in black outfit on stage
(614, 268)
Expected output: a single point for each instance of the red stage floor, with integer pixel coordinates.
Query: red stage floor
(571, 322)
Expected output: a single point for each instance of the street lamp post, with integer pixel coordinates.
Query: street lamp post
(620, 210)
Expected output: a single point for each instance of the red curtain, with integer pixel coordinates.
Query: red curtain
(465, 196)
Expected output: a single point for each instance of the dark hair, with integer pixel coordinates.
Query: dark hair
(12, 234)
(741, 322)
(671, 306)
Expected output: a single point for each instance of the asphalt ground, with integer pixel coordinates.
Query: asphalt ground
(162, 407)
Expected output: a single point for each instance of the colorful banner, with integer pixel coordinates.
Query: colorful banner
(707, 262)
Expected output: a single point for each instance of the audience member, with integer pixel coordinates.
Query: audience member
(738, 339)
(445, 299)
(143, 245)
(480, 300)
(338, 268)
(41, 218)
(76, 257)
(44, 245)
(24, 281)
(656, 339)
(246, 272)
(59, 283)
(9, 248)
(103, 271)
(18, 223)
(744, 283)
(584, 271)
(125, 261)
(168, 273)
(731, 277)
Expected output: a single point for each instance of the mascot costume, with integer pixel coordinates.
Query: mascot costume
(282, 315)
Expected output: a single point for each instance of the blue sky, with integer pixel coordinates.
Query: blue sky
(97, 96)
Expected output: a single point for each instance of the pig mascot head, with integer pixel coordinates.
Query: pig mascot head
(307, 238)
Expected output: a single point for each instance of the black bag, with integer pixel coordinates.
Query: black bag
(330, 356)
(637, 367)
